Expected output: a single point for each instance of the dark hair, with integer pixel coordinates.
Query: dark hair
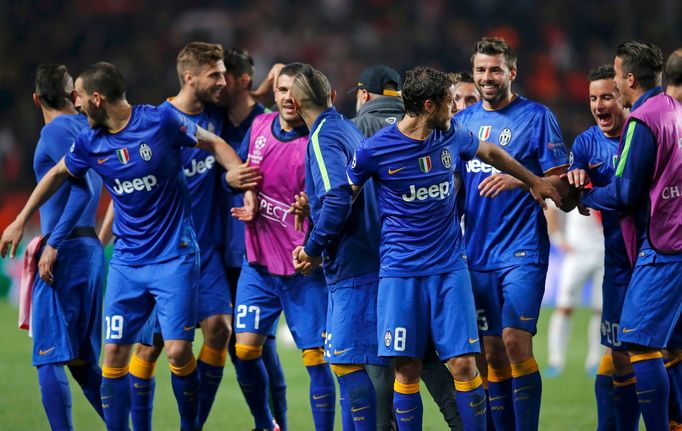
(292, 69)
(494, 46)
(314, 87)
(53, 85)
(673, 68)
(422, 84)
(605, 71)
(462, 76)
(238, 62)
(643, 60)
(195, 55)
(104, 78)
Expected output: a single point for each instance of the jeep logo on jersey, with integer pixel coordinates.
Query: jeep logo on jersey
(476, 166)
(425, 164)
(436, 191)
(260, 142)
(484, 132)
(505, 136)
(145, 152)
(446, 158)
(136, 184)
(199, 167)
(123, 155)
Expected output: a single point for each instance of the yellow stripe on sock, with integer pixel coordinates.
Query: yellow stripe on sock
(248, 353)
(313, 357)
(529, 366)
(620, 384)
(184, 370)
(485, 382)
(114, 373)
(674, 361)
(499, 375)
(406, 388)
(646, 356)
(214, 357)
(141, 368)
(341, 370)
(606, 367)
(468, 385)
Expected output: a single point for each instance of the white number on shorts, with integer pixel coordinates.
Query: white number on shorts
(611, 331)
(399, 343)
(482, 320)
(243, 310)
(114, 327)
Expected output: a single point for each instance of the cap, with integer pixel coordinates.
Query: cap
(375, 78)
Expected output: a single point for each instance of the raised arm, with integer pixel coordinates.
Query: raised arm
(239, 175)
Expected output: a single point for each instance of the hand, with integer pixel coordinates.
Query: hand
(494, 184)
(577, 178)
(269, 83)
(11, 238)
(244, 176)
(248, 212)
(46, 263)
(543, 189)
(582, 209)
(304, 263)
(300, 209)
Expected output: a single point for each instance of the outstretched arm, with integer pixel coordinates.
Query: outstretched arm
(239, 175)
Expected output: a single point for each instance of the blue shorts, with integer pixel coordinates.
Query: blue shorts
(261, 297)
(612, 307)
(441, 306)
(352, 322)
(509, 297)
(132, 292)
(652, 304)
(66, 318)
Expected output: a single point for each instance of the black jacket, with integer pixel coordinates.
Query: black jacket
(379, 113)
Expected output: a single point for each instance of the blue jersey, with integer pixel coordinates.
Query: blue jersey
(56, 138)
(511, 228)
(416, 192)
(203, 181)
(141, 166)
(595, 153)
(345, 233)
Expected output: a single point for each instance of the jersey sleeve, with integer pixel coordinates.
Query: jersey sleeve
(362, 166)
(76, 159)
(550, 143)
(80, 193)
(182, 130)
(468, 144)
(579, 155)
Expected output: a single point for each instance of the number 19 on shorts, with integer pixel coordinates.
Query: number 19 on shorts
(399, 341)
(114, 327)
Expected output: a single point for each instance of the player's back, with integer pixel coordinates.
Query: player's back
(511, 228)
(56, 138)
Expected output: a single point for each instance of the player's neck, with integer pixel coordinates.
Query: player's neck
(51, 114)
(187, 102)
(499, 104)
(241, 109)
(288, 126)
(415, 127)
(118, 116)
(310, 116)
(674, 91)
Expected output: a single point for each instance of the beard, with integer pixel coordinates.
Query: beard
(96, 116)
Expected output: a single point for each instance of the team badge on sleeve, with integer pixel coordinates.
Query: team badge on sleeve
(123, 156)
(425, 164)
(145, 152)
(388, 338)
(505, 136)
(484, 132)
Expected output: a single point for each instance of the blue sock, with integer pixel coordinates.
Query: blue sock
(89, 377)
(210, 377)
(653, 391)
(527, 386)
(407, 406)
(361, 398)
(142, 402)
(278, 385)
(254, 383)
(322, 396)
(471, 403)
(604, 393)
(625, 402)
(346, 416)
(116, 402)
(675, 405)
(186, 390)
(54, 388)
(490, 425)
(501, 399)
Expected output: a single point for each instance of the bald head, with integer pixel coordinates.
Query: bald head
(673, 68)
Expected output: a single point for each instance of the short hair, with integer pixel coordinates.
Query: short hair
(292, 69)
(238, 62)
(422, 84)
(314, 88)
(53, 85)
(643, 60)
(463, 76)
(195, 55)
(673, 68)
(104, 78)
(604, 71)
(495, 46)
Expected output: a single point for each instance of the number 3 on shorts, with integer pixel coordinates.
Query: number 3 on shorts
(114, 327)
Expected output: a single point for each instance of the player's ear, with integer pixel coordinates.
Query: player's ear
(512, 74)
(429, 106)
(333, 96)
(36, 100)
(186, 76)
(73, 96)
(631, 80)
(97, 99)
(244, 80)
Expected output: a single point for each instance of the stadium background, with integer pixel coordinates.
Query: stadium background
(557, 43)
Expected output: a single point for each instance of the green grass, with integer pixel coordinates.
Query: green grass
(568, 401)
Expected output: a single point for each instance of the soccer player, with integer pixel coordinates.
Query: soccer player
(137, 152)
(345, 236)
(269, 283)
(466, 93)
(67, 299)
(506, 237)
(428, 294)
(593, 156)
(646, 188)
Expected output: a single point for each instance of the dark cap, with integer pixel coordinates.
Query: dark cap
(375, 79)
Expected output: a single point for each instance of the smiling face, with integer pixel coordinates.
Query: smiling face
(493, 78)
(209, 82)
(466, 95)
(606, 106)
(285, 103)
(90, 105)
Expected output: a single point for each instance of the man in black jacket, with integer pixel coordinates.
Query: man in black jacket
(378, 102)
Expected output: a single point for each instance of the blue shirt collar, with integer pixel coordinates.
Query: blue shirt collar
(644, 97)
(329, 112)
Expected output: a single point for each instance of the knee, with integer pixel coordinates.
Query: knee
(148, 353)
(408, 370)
(495, 353)
(463, 367)
(517, 344)
(179, 352)
(217, 333)
(116, 355)
(247, 352)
